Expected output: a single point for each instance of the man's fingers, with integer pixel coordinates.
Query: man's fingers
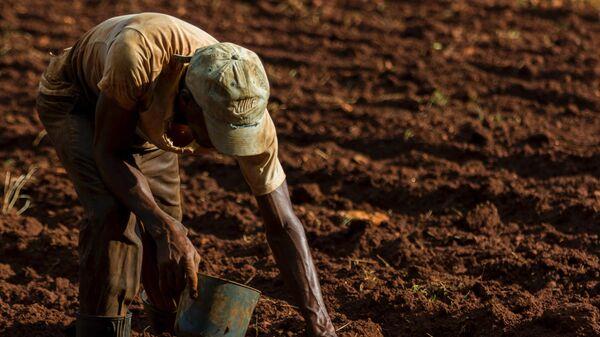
(191, 271)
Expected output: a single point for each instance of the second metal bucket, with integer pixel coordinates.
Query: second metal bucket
(223, 309)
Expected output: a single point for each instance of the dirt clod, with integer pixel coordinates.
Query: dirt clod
(483, 217)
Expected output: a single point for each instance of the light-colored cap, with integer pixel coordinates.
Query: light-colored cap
(230, 84)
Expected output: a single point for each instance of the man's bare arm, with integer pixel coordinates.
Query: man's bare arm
(287, 240)
(114, 132)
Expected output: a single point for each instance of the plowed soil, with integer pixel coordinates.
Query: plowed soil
(468, 131)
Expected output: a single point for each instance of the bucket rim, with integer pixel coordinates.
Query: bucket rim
(231, 282)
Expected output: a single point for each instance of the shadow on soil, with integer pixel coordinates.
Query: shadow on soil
(541, 166)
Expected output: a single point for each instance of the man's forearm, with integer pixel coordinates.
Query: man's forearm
(131, 188)
(114, 130)
(287, 240)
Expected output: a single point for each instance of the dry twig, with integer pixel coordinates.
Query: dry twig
(343, 326)
(12, 191)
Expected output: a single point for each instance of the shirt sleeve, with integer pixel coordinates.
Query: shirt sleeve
(263, 172)
(127, 69)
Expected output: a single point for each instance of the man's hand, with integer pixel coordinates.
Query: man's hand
(177, 260)
(287, 240)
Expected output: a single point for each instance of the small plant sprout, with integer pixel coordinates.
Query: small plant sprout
(438, 99)
(12, 192)
(417, 289)
(514, 34)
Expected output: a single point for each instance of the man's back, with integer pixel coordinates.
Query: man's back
(125, 54)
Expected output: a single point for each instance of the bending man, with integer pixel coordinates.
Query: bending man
(119, 106)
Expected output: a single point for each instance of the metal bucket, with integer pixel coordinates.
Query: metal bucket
(223, 308)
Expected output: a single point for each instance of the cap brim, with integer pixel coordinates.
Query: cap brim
(241, 141)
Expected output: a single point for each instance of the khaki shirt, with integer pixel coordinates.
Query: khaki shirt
(125, 58)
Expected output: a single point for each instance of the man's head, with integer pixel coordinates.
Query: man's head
(230, 87)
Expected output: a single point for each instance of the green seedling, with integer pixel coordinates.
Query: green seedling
(438, 99)
(417, 289)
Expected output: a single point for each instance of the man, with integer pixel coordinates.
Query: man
(119, 106)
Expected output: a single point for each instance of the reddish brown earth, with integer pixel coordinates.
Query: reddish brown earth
(473, 126)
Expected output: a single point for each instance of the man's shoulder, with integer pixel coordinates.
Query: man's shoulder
(161, 28)
(148, 32)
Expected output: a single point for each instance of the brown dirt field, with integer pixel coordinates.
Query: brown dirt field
(472, 125)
